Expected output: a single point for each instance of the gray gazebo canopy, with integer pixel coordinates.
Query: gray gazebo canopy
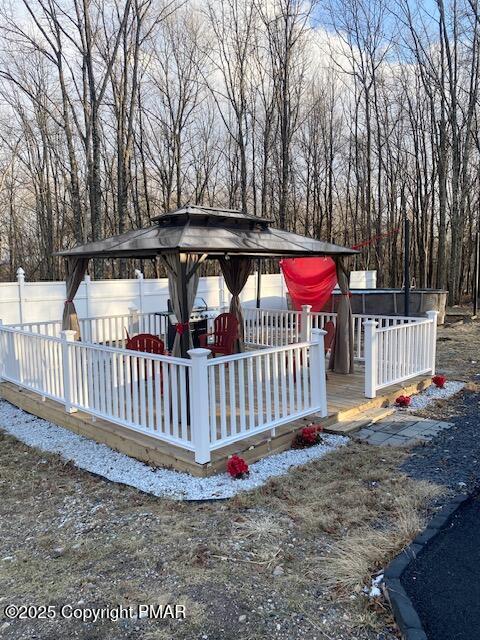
(184, 239)
(216, 232)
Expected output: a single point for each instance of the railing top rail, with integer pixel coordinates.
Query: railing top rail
(405, 325)
(246, 309)
(32, 324)
(118, 315)
(130, 352)
(30, 334)
(258, 352)
(370, 315)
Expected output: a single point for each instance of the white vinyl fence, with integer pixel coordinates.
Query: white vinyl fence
(23, 302)
(263, 389)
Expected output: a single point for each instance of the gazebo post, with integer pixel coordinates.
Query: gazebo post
(183, 294)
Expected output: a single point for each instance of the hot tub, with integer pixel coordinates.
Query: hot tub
(391, 302)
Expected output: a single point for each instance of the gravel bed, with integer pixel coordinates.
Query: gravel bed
(433, 393)
(118, 467)
(452, 458)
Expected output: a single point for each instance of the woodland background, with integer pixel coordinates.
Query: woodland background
(333, 119)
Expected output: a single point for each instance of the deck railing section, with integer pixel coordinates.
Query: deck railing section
(257, 391)
(112, 331)
(199, 404)
(271, 327)
(51, 328)
(33, 361)
(399, 352)
(144, 392)
(274, 327)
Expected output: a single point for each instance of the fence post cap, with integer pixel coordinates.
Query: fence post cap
(138, 274)
(319, 332)
(87, 277)
(133, 309)
(68, 335)
(306, 307)
(20, 273)
(199, 353)
(432, 313)
(370, 323)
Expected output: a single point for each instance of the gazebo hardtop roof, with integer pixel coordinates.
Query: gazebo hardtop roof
(204, 230)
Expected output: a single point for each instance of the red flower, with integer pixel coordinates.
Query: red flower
(237, 467)
(403, 401)
(307, 437)
(439, 381)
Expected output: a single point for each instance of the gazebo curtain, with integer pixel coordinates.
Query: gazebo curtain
(76, 269)
(341, 356)
(182, 271)
(236, 270)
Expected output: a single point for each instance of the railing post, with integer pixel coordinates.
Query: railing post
(433, 316)
(306, 323)
(317, 371)
(133, 323)
(371, 358)
(67, 368)
(21, 293)
(199, 413)
(139, 276)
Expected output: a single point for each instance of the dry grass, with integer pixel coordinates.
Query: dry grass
(352, 560)
(328, 524)
(357, 497)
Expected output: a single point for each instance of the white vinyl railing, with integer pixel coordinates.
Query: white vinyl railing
(51, 328)
(249, 393)
(199, 404)
(112, 330)
(399, 352)
(33, 361)
(271, 327)
(144, 392)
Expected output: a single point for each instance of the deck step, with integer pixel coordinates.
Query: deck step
(368, 417)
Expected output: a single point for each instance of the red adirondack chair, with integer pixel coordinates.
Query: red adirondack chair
(147, 343)
(225, 332)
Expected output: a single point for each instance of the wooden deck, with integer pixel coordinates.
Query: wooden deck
(348, 411)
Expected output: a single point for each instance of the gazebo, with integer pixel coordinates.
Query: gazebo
(183, 239)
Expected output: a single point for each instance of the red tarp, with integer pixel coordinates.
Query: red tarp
(309, 280)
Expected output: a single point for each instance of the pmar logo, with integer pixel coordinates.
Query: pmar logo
(162, 611)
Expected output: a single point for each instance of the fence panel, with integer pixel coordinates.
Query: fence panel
(33, 361)
(271, 327)
(144, 392)
(253, 392)
(403, 351)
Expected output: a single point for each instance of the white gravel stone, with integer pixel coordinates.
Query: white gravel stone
(433, 393)
(118, 467)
